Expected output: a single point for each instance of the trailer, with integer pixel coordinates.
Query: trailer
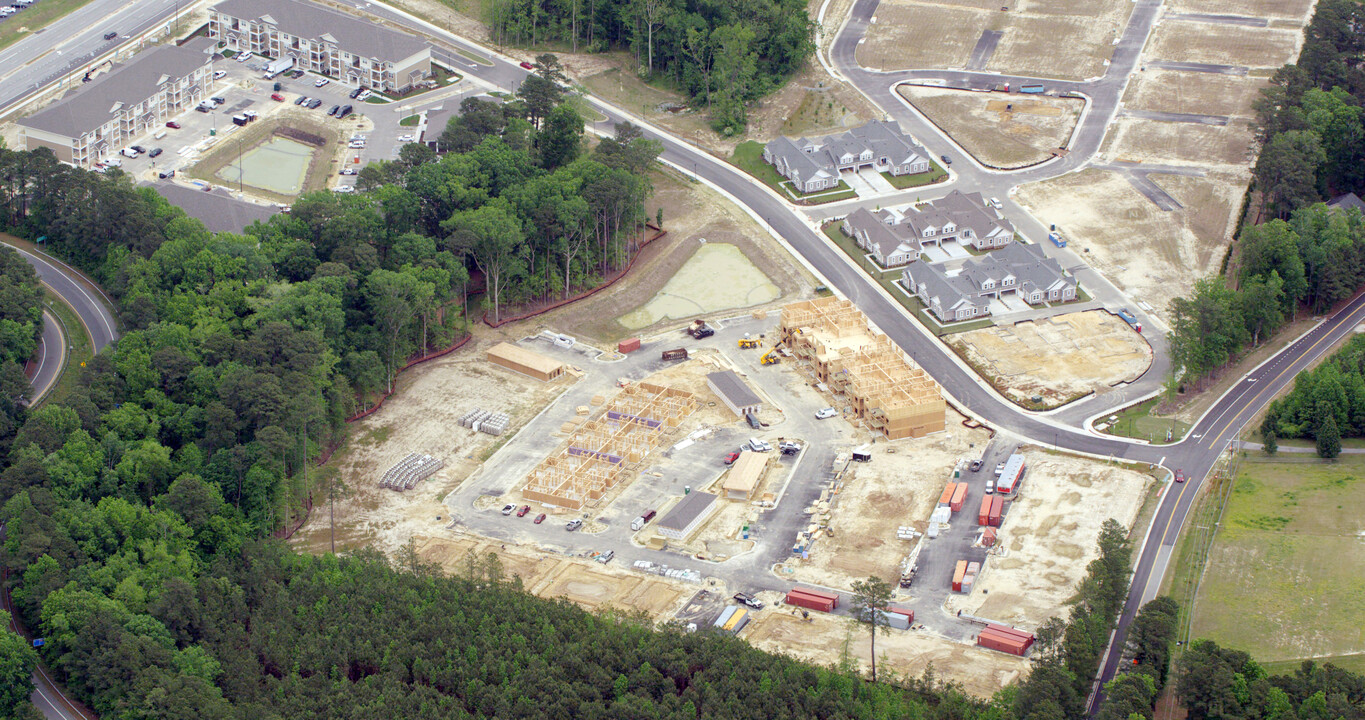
(676, 354)
(1057, 239)
(1034, 89)
(278, 66)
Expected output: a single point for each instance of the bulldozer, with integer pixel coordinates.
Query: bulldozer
(746, 342)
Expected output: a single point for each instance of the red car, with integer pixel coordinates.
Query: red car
(1180, 476)
(729, 459)
(539, 519)
(524, 509)
(277, 97)
(527, 65)
(173, 125)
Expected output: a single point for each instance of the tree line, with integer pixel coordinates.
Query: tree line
(1311, 261)
(21, 324)
(1325, 404)
(1309, 119)
(724, 56)
(1217, 683)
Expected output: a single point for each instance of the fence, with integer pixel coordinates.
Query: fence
(380, 403)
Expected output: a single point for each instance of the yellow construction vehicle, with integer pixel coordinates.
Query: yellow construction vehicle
(747, 342)
(771, 357)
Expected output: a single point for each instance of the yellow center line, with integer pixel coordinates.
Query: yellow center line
(1166, 530)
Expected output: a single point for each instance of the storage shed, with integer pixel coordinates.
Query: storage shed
(687, 515)
(745, 474)
(526, 362)
(734, 392)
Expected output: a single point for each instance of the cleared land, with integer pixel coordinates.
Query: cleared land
(1068, 39)
(423, 417)
(1285, 578)
(1058, 358)
(907, 652)
(1048, 536)
(1151, 254)
(1173, 143)
(1296, 9)
(899, 488)
(1187, 92)
(718, 276)
(998, 130)
(1223, 44)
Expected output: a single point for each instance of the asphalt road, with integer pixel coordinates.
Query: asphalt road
(73, 41)
(51, 356)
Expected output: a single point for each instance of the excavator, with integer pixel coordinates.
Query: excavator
(771, 357)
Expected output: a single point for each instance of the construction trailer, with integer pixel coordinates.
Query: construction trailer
(1011, 475)
(526, 362)
(888, 392)
(744, 475)
(606, 449)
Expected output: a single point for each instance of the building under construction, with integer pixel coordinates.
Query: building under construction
(609, 447)
(888, 392)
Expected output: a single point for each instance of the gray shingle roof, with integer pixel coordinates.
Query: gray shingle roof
(93, 105)
(687, 510)
(219, 213)
(1347, 201)
(1027, 264)
(882, 138)
(307, 20)
(733, 388)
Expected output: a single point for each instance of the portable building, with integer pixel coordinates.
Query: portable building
(1011, 475)
(687, 515)
(734, 392)
(736, 621)
(744, 475)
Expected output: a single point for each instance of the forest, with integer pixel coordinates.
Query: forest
(21, 324)
(1325, 404)
(721, 55)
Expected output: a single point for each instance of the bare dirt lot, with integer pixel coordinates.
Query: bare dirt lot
(1296, 9)
(1048, 536)
(1223, 44)
(1150, 254)
(691, 212)
(981, 672)
(1067, 39)
(1186, 92)
(1142, 140)
(877, 497)
(422, 417)
(548, 575)
(1059, 358)
(999, 131)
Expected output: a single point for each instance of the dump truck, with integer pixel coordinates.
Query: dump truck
(676, 354)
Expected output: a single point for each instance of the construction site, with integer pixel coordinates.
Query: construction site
(862, 368)
(608, 447)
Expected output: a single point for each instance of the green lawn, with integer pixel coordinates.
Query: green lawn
(38, 15)
(1353, 663)
(1286, 574)
(901, 182)
(1137, 422)
(410, 121)
(749, 158)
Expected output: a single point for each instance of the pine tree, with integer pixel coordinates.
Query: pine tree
(1329, 438)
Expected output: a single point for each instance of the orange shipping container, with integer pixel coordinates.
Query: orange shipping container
(628, 345)
(997, 507)
(958, 574)
(947, 497)
(959, 496)
(984, 516)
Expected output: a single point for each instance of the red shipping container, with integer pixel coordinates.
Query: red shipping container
(909, 614)
(984, 516)
(628, 345)
(959, 496)
(820, 594)
(997, 506)
(823, 602)
(988, 537)
(1022, 636)
(1001, 643)
(957, 575)
(947, 497)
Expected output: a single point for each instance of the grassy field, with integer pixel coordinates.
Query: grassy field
(900, 182)
(78, 345)
(1286, 573)
(1138, 422)
(37, 16)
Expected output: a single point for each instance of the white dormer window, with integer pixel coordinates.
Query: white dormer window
(987, 285)
(949, 228)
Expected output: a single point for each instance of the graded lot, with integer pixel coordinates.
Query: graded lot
(1295, 9)
(422, 416)
(893, 490)
(1198, 93)
(1285, 577)
(911, 35)
(1058, 358)
(1223, 44)
(1148, 253)
(822, 639)
(1173, 143)
(1048, 536)
(1003, 131)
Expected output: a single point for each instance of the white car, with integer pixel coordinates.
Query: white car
(344, 189)
(508, 509)
(113, 162)
(996, 202)
(406, 138)
(825, 413)
(219, 74)
(245, 56)
(320, 82)
(348, 171)
(356, 144)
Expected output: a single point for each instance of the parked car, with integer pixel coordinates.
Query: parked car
(110, 35)
(825, 413)
(165, 174)
(996, 202)
(524, 509)
(990, 486)
(301, 100)
(154, 152)
(1180, 476)
(296, 74)
(757, 445)
(277, 97)
(343, 189)
(787, 447)
(606, 557)
(204, 108)
(218, 101)
(354, 93)
(573, 525)
(976, 465)
(747, 600)
(114, 162)
(539, 519)
(356, 144)
(138, 149)
(320, 82)
(406, 138)
(999, 468)
(348, 171)
(243, 57)
(527, 66)
(345, 110)
(173, 125)
(219, 74)
(508, 509)
(731, 458)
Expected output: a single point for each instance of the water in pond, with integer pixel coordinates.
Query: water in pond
(718, 277)
(278, 166)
